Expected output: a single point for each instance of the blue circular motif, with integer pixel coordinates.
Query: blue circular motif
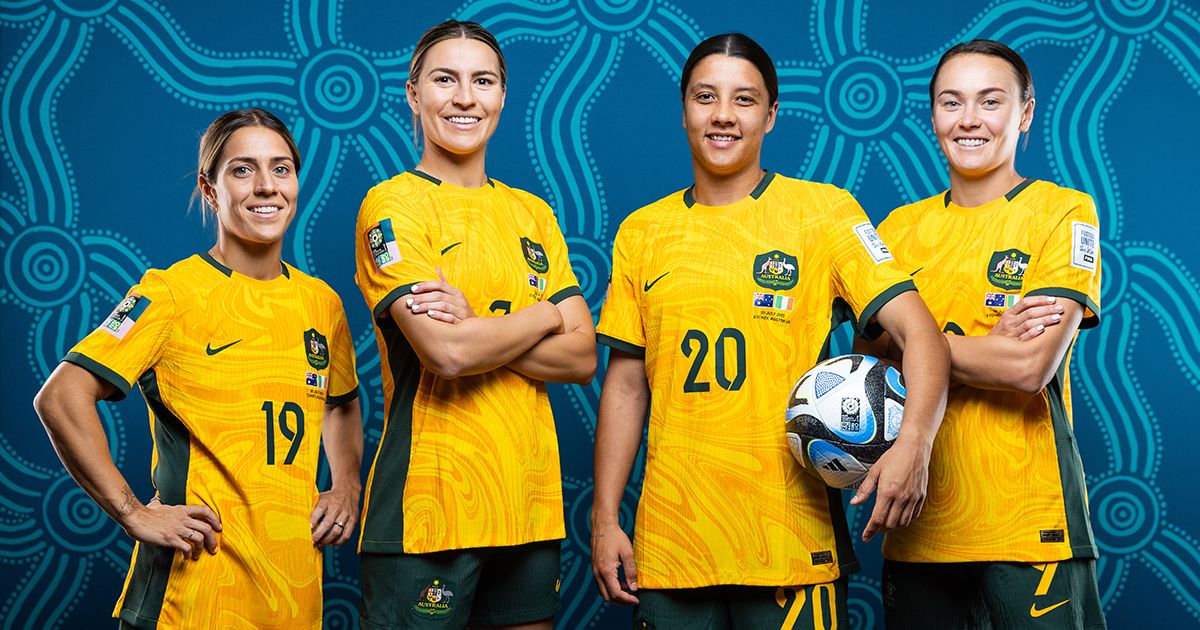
(1133, 17)
(44, 266)
(1126, 512)
(863, 96)
(86, 9)
(340, 88)
(863, 599)
(615, 15)
(579, 515)
(591, 266)
(341, 606)
(1115, 279)
(73, 520)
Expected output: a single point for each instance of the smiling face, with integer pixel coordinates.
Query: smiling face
(726, 113)
(458, 96)
(253, 192)
(978, 115)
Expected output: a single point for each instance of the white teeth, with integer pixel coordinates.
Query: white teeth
(463, 120)
(723, 138)
(970, 142)
(265, 209)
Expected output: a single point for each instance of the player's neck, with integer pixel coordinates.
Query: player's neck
(256, 260)
(467, 170)
(722, 189)
(972, 191)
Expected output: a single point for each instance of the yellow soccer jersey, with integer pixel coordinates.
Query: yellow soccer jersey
(730, 306)
(236, 373)
(1005, 479)
(472, 461)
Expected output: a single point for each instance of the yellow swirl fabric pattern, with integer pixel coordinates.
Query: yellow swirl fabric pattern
(729, 306)
(236, 373)
(472, 461)
(1006, 482)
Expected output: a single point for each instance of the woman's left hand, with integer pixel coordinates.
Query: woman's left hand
(440, 300)
(334, 517)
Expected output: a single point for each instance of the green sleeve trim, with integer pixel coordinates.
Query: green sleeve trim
(864, 319)
(343, 398)
(102, 372)
(623, 346)
(564, 294)
(1071, 294)
(394, 295)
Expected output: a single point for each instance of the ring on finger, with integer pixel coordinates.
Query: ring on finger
(337, 524)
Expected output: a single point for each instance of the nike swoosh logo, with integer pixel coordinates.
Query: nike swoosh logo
(916, 272)
(1035, 612)
(648, 285)
(450, 247)
(211, 350)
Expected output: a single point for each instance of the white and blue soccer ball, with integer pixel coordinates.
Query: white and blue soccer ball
(843, 415)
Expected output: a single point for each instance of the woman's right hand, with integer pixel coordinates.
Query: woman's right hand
(186, 528)
(440, 300)
(1028, 318)
(611, 551)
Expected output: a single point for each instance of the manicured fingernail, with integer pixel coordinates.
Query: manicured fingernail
(410, 303)
(415, 287)
(1055, 317)
(1040, 327)
(1051, 299)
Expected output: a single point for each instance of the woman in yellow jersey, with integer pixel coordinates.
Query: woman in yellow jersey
(1004, 538)
(476, 309)
(722, 295)
(247, 367)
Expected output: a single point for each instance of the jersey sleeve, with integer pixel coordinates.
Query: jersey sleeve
(343, 375)
(621, 325)
(561, 283)
(865, 274)
(394, 249)
(131, 339)
(1069, 263)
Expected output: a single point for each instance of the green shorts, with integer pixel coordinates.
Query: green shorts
(1017, 595)
(815, 606)
(489, 586)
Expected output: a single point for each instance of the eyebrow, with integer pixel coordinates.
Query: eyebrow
(709, 86)
(983, 91)
(250, 160)
(453, 72)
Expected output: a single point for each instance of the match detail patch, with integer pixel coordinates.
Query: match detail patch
(871, 240)
(123, 318)
(381, 240)
(1000, 300)
(1085, 246)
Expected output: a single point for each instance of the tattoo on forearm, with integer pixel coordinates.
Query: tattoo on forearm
(129, 503)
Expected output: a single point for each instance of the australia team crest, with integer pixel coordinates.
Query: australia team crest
(435, 599)
(776, 270)
(1006, 269)
(316, 349)
(535, 255)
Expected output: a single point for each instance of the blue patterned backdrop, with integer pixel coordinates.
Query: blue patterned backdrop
(104, 100)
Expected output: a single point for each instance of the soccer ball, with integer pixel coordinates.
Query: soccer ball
(843, 415)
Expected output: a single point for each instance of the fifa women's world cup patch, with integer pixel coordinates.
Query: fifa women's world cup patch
(1085, 246)
(123, 318)
(873, 242)
(381, 241)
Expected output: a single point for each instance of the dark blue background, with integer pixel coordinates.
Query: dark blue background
(104, 101)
